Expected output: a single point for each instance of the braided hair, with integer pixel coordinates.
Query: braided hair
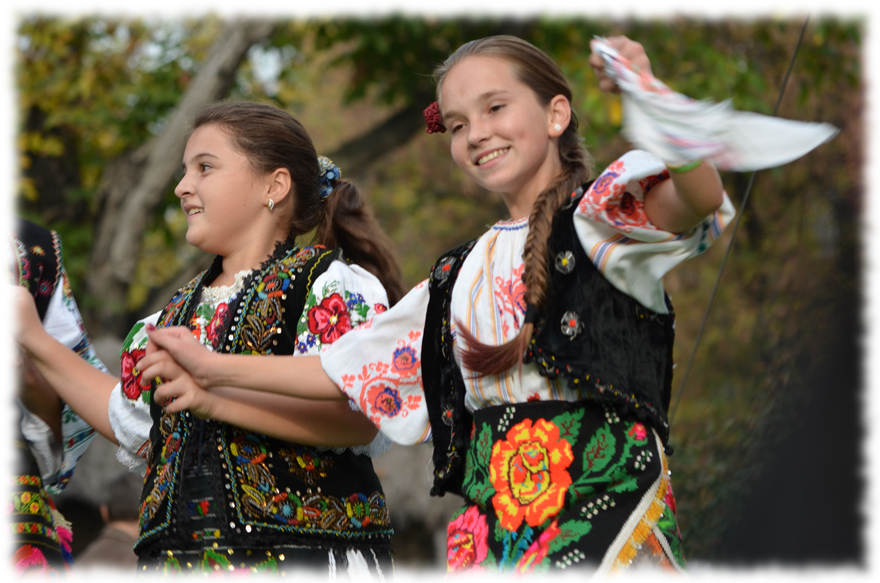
(535, 69)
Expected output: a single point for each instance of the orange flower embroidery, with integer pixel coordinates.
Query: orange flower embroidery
(530, 474)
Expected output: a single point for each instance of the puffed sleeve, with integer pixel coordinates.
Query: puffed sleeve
(57, 463)
(342, 299)
(623, 244)
(129, 408)
(378, 366)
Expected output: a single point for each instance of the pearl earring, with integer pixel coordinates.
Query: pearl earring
(270, 204)
(557, 127)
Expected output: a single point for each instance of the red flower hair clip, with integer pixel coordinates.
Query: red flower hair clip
(433, 119)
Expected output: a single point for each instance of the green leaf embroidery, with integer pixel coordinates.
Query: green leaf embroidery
(599, 451)
(126, 344)
(569, 532)
(569, 424)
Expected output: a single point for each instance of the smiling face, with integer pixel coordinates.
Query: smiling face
(501, 135)
(222, 197)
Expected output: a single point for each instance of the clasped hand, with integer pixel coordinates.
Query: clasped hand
(174, 358)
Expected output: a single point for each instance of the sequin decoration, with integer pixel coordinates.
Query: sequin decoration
(571, 324)
(565, 262)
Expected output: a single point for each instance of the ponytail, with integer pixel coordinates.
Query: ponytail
(334, 209)
(348, 223)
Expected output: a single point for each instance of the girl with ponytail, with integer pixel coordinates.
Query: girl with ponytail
(538, 357)
(264, 483)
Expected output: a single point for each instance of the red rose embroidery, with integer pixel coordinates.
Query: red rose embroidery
(330, 319)
(638, 432)
(131, 383)
(529, 470)
(466, 543)
(217, 324)
(379, 308)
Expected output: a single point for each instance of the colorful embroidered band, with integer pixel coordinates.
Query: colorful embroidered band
(433, 119)
(685, 167)
(329, 174)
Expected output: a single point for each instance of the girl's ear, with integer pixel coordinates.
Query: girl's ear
(560, 115)
(279, 183)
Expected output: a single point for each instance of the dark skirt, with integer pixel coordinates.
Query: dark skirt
(557, 485)
(210, 551)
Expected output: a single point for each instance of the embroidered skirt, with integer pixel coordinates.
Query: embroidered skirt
(41, 536)
(557, 485)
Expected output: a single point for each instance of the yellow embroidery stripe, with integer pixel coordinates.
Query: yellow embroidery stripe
(312, 270)
(642, 521)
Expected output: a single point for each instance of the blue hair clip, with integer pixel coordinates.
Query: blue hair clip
(329, 174)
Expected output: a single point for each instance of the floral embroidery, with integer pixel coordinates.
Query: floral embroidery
(405, 361)
(651, 181)
(629, 212)
(385, 400)
(170, 428)
(307, 463)
(670, 498)
(217, 324)
(606, 188)
(466, 543)
(539, 549)
(380, 384)
(131, 383)
(338, 312)
(621, 209)
(638, 432)
(529, 473)
(511, 294)
(330, 319)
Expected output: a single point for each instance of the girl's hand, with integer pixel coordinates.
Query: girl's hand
(177, 390)
(184, 350)
(629, 50)
(182, 393)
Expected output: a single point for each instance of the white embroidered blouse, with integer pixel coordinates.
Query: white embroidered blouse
(379, 365)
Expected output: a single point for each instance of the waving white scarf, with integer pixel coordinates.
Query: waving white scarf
(679, 129)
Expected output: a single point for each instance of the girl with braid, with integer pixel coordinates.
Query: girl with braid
(268, 483)
(538, 357)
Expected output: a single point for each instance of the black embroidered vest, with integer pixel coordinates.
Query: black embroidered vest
(600, 340)
(268, 491)
(38, 252)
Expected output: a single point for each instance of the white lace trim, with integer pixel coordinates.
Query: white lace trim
(215, 294)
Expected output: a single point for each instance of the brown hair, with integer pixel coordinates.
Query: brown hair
(271, 139)
(538, 71)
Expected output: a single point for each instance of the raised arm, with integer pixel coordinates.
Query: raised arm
(679, 204)
(695, 190)
(82, 386)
